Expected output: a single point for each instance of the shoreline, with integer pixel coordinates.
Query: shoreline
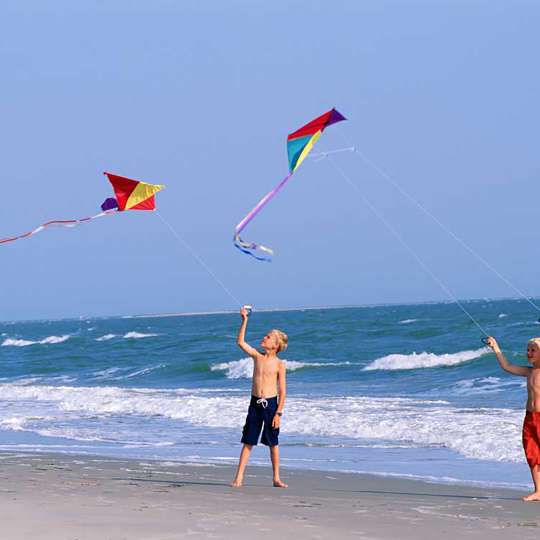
(255, 462)
(58, 496)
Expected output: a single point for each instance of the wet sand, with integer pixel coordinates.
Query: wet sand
(60, 497)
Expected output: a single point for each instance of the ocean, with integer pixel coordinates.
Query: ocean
(404, 390)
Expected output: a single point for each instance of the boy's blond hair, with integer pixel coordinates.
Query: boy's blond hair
(283, 339)
(535, 340)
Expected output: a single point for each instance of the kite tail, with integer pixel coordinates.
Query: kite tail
(61, 223)
(250, 247)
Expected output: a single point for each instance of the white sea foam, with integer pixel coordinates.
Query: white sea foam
(50, 340)
(424, 360)
(13, 423)
(138, 335)
(54, 339)
(105, 373)
(19, 423)
(66, 379)
(502, 315)
(9, 342)
(138, 372)
(243, 369)
(408, 321)
(488, 434)
(487, 385)
(121, 373)
(106, 337)
(525, 323)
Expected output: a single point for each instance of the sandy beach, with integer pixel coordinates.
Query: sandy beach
(60, 497)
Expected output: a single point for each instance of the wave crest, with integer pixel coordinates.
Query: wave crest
(424, 360)
(243, 368)
(106, 337)
(138, 335)
(408, 321)
(49, 340)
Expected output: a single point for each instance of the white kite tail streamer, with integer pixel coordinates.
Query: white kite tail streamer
(413, 253)
(56, 223)
(198, 258)
(441, 225)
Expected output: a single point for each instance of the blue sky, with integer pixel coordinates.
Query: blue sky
(200, 96)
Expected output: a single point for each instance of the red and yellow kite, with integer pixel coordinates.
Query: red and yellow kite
(130, 195)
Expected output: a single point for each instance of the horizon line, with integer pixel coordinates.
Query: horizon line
(267, 310)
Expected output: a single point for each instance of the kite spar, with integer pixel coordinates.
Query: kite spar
(299, 145)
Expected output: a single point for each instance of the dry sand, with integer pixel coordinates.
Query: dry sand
(61, 497)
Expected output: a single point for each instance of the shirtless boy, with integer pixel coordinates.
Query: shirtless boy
(267, 399)
(531, 424)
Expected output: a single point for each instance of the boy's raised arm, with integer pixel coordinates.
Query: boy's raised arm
(503, 362)
(241, 339)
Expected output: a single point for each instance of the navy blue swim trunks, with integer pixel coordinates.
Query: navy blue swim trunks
(261, 412)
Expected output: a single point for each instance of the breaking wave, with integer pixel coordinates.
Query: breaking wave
(50, 340)
(425, 360)
(243, 369)
(471, 432)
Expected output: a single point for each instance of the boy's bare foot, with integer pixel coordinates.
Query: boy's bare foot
(236, 483)
(279, 484)
(533, 497)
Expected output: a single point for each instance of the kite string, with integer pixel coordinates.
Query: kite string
(196, 256)
(317, 156)
(412, 252)
(448, 231)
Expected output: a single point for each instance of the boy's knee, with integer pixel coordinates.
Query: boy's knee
(248, 446)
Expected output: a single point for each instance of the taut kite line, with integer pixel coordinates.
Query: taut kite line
(130, 195)
(299, 145)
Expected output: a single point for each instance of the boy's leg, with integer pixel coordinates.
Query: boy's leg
(274, 456)
(535, 495)
(531, 445)
(244, 457)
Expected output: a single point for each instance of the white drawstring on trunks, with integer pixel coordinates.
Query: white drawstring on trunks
(263, 402)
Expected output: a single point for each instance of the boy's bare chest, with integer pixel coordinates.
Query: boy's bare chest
(534, 380)
(265, 368)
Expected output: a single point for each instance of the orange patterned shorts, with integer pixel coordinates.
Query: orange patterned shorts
(531, 438)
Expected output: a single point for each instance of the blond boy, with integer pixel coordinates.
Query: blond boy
(267, 399)
(531, 424)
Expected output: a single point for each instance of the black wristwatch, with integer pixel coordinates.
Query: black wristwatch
(279, 413)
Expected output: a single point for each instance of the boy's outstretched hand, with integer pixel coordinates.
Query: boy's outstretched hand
(244, 312)
(491, 342)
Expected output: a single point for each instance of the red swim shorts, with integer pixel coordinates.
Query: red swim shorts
(531, 438)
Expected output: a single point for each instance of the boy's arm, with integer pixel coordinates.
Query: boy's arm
(282, 387)
(503, 362)
(282, 393)
(241, 339)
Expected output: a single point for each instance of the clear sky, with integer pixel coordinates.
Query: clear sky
(200, 96)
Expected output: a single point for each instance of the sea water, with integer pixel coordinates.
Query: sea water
(396, 390)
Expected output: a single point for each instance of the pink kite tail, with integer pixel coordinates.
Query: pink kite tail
(250, 247)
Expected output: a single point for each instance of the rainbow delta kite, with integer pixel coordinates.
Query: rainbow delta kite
(130, 195)
(299, 145)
